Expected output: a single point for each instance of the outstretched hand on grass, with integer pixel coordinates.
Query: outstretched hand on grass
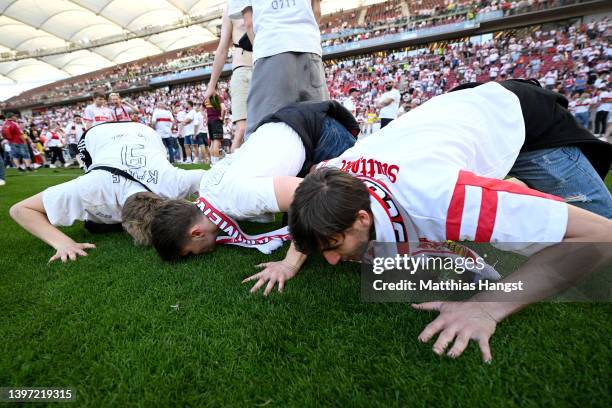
(459, 321)
(71, 251)
(273, 273)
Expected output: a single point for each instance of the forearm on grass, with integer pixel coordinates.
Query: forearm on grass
(555, 269)
(30, 214)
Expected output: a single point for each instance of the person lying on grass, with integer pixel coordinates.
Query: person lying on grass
(404, 191)
(121, 159)
(511, 128)
(258, 179)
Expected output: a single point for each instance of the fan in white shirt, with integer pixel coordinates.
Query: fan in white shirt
(97, 112)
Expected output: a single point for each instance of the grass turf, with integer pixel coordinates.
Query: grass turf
(106, 326)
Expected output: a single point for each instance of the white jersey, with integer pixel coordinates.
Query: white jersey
(446, 174)
(241, 185)
(280, 26)
(98, 196)
(97, 115)
(163, 122)
(73, 132)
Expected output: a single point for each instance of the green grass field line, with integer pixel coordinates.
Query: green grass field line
(124, 329)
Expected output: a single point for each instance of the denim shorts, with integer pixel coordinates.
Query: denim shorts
(19, 151)
(335, 139)
(567, 173)
(188, 139)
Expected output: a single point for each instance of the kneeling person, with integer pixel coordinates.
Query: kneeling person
(434, 180)
(121, 159)
(258, 179)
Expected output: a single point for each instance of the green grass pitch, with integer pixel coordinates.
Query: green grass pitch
(124, 329)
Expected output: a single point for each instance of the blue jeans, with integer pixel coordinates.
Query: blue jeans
(335, 139)
(566, 173)
(583, 119)
(169, 143)
(1, 167)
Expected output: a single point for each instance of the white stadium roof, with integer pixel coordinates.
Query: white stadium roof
(34, 25)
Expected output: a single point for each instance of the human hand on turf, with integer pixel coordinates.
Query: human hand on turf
(71, 251)
(461, 321)
(273, 273)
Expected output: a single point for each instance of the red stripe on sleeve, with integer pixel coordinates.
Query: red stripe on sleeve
(486, 218)
(455, 213)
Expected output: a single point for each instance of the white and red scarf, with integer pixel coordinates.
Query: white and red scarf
(393, 225)
(231, 234)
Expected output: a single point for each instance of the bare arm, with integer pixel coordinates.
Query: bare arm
(247, 15)
(546, 273)
(284, 188)
(279, 272)
(316, 9)
(225, 42)
(30, 214)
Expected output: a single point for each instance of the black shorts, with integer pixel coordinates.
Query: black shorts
(215, 129)
(201, 139)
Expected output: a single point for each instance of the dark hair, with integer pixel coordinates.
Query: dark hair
(325, 203)
(99, 94)
(170, 226)
(76, 115)
(190, 103)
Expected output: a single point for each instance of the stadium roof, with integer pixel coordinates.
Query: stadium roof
(35, 25)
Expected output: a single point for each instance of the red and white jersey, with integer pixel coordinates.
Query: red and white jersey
(97, 115)
(163, 119)
(444, 162)
(121, 113)
(583, 105)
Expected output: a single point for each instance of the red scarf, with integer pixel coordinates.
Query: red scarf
(233, 235)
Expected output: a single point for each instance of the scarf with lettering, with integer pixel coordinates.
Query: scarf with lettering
(231, 234)
(393, 225)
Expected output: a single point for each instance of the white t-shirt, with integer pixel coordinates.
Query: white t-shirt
(349, 104)
(241, 185)
(74, 131)
(180, 117)
(446, 174)
(604, 97)
(188, 129)
(582, 105)
(280, 26)
(390, 111)
(163, 122)
(198, 123)
(97, 115)
(53, 139)
(98, 196)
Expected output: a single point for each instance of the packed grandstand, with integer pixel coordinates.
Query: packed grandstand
(571, 56)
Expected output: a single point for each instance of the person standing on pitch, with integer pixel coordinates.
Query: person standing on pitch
(233, 32)
(388, 103)
(286, 55)
(162, 121)
(122, 110)
(189, 133)
(97, 112)
(215, 112)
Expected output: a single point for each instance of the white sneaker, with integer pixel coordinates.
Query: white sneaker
(2, 182)
(68, 163)
(196, 161)
(35, 165)
(52, 166)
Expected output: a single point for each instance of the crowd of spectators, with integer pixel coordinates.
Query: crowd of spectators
(390, 17)
(573, 59)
